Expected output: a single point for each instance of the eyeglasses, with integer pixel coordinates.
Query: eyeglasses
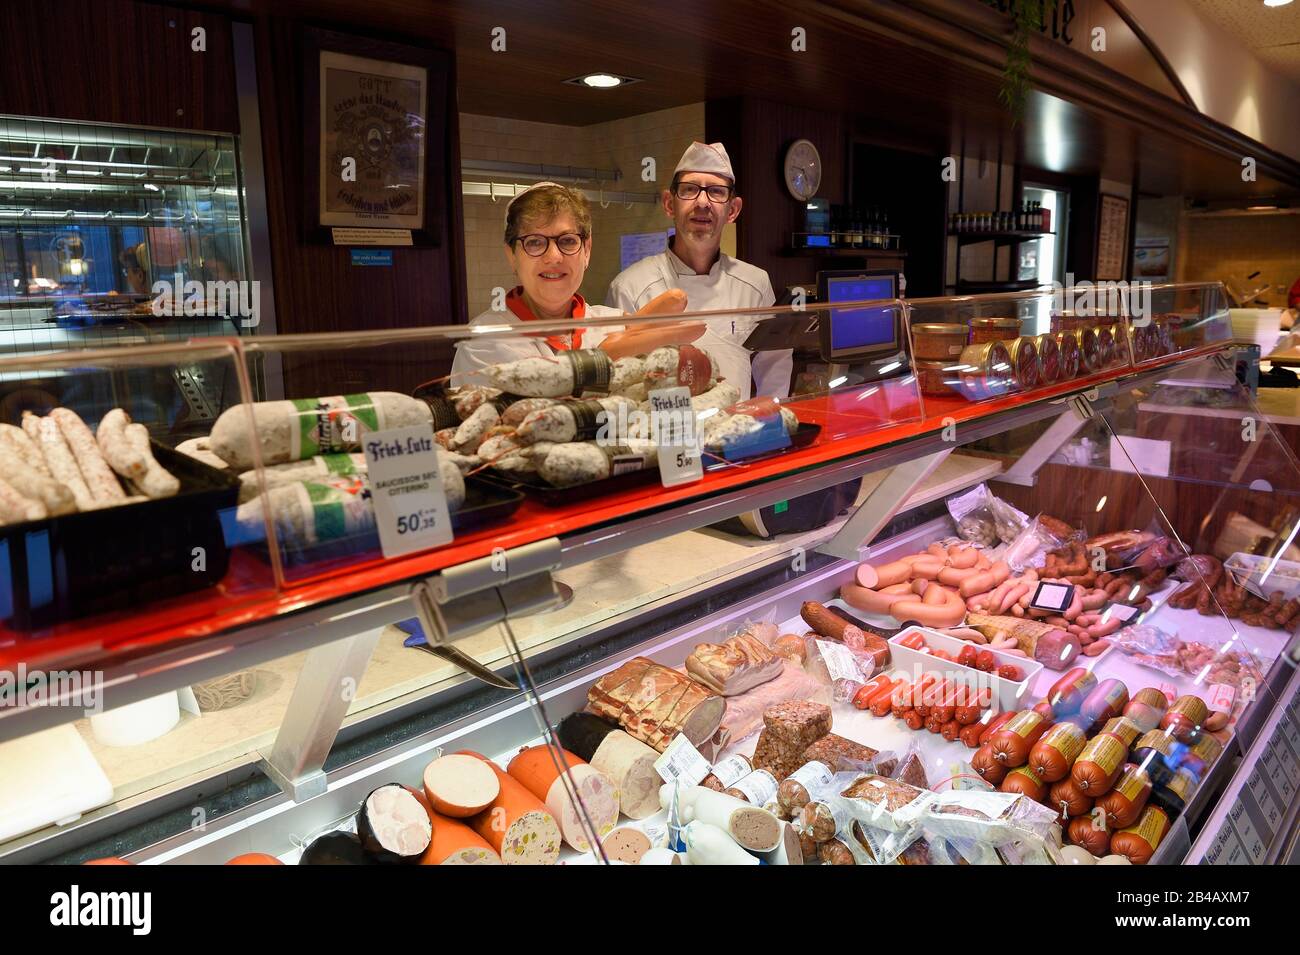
(691, 190)
(536, 244)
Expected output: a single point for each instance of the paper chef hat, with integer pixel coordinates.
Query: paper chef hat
(706, 157)
(522, 192)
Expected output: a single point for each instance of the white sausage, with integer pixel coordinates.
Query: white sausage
(62, 463)
(20, 443)
(14, 508)
(157, 481)
(118, 452)
(55, 497)
(98, 475)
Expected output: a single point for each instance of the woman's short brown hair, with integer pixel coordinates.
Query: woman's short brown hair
(539, 206)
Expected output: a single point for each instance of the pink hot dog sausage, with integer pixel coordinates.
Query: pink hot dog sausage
(862, 598)
(954, 576)
(948, 614)
(873, 577)
(929, 569)
(963, 556)
(985, 580)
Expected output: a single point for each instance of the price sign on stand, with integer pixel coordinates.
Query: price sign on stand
(406, 485)
(672, 426)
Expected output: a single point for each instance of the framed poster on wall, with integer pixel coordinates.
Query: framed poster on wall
(1112, 238)
(376, 120)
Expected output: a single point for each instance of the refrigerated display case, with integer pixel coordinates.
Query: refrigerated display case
(351, 662)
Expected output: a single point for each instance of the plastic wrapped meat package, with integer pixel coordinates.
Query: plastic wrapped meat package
(977, 822)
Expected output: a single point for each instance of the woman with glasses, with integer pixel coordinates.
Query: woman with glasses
(548, 245)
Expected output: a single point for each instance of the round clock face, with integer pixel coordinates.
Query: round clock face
(803, 169)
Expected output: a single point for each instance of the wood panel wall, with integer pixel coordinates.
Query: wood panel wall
(756, 134)
(117, 61)
(317, 289)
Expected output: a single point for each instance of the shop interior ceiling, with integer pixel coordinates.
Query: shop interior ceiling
(925, 72)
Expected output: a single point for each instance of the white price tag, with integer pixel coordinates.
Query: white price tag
(681, 761)
(1250, 839)
(673, 429)
(406, 486)
(840, 662)
(1272, 815)
(731, 770)
(1275, 765)
(1120, 612)
(1221, 847)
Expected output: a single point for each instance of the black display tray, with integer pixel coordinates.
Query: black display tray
(62, 568)
(486, 502)
(562, 496)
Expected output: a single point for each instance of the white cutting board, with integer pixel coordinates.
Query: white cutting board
(48, 777)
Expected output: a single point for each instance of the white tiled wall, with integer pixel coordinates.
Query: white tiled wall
(620, 144)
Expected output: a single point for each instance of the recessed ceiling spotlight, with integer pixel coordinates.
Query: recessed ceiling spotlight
(602, 81)
(1276, 3)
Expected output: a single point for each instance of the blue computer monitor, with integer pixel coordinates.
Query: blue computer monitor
(859, 334)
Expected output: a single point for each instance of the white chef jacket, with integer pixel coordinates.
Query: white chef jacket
(730, 283)
(475, 353)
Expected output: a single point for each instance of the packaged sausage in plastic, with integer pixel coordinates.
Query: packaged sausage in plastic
(989, 818)
(1031, 546)
(885, 803)
(1139, 842)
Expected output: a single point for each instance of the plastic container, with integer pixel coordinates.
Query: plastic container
(61, 568)
(986, 371)
(935, 380)
(938, 341)
(1007, 695)
(993, 329)
(1248, 570)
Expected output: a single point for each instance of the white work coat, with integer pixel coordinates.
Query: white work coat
(730, 283)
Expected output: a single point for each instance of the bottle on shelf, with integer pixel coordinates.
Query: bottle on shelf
(855, 228)
(886, 240)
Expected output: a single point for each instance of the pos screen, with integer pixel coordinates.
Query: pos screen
(858, 333)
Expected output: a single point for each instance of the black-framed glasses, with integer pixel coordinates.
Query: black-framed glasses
(536, 244)
(691, 190)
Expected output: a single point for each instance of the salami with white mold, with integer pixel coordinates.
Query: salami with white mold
(575, 420)
(569, 373)
(679, 365)
(581, 462)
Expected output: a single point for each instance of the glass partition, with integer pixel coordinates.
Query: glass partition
(111, 235)
(110, 508)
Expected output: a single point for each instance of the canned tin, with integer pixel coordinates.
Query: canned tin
(986, 371)
(1089, 351)
(934, 380)
(1068, 345)
(936, 341)
(993, 329)
(1105, 346)
(1024, 363)
(1049, 358)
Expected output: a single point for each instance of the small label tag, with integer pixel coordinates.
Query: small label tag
(682, 762)
(1121, 612)
(1220, 697)
(357, 236)
(840, 663)
(1169, 690)
(1055, 598)
(672, 425)
(406, 486)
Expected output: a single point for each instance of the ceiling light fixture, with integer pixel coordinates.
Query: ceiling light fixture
(602, 81)
(1276, 3)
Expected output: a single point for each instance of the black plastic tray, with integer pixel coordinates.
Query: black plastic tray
(71, 566)
(553, 496)
(486, 502)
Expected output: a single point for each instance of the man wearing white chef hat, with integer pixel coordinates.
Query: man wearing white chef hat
(701, 201)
